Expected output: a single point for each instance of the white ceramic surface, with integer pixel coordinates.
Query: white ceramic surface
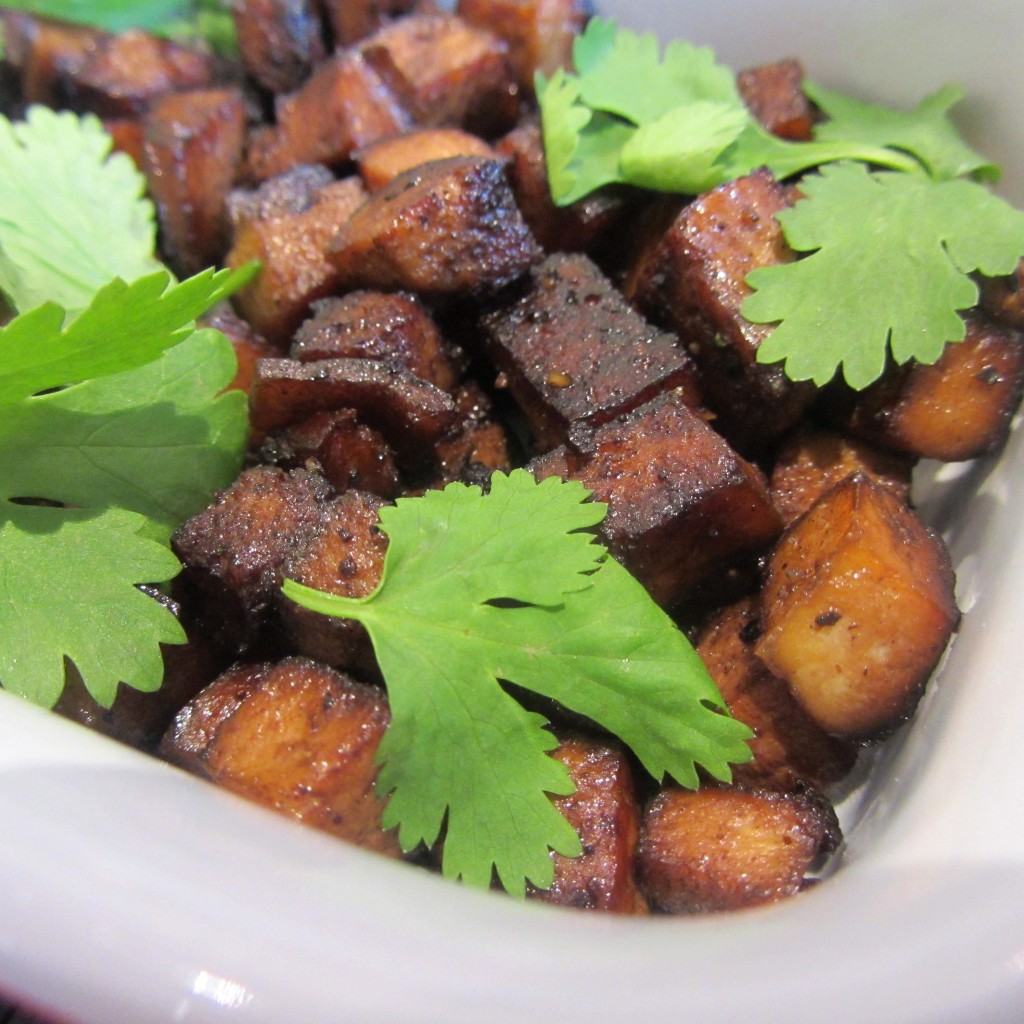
(133, 894)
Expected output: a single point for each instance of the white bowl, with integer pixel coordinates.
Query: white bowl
(130, 892)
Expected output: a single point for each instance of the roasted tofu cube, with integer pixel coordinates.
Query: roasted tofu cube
(294, 736)
(605, 813)
(446, 227)
(249, 346)
(232, 551)
(957, 409)
(726, 848)
(345, 452)
(48, 54)
(694, 280)
(410, 413)
(591, 224)
(857, 609)
(774, 93)
(381, 162)
(1003, 297)
(790, 749)
(192, 152)
(813, 459)
(342, 106)
(352, 20)
(539, 33)
(681, 503)
(477, 444)
(446, 72)
(291, 247)
(344, 556)
(279, 41)
(571, 350)
(394, 328)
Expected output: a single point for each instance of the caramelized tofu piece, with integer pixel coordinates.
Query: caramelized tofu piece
(606, 816)
(1003, 297)
(570, 350)
(410, 413)
(346, 453)
(279, 41)
(539, 33)
(49, 54)
(394, 328)
(381, 162)
(694, 280)
(790, 750)
(296, 737)
(123, 74)
(477, 445)
(291, 249)
(957, 409)
(352, 20)
(443, 228)
(192, 149)
(857, 609)
(341, 107)
(681, 502)
(726, 848)
(248, 345)
(588, 225)
(812, 460)
(232, 551)
(446, 72)
(774, 93)
(344, 556)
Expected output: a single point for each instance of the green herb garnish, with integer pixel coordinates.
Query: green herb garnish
(111, 428)
(510, 586)
(895, 226)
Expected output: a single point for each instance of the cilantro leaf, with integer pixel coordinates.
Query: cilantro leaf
(54, 247)
(890, 255)
(84, 607)
(125, 325)
(478, 589)
(925, 132)
(157, 439)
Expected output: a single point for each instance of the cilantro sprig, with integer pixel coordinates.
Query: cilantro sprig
(511, 586)
(113, 425)
(894, 216)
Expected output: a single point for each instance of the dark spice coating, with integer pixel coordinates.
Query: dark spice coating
(694, 279)
(681, 502)
(450, 227)
(571, 350)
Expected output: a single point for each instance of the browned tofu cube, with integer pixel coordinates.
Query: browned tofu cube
(790, 749)
(342, 106)
(352, 20)
(233, 550)
(410, 413)
(291, 248)
(681, 503)
(394, 328)
(726, 848)
(694, 279)
(539, 33)
(958, 408)
(477, 444)
(571, 350)
(812, 460)
(344, 556)
(279, 41)
(49, 54)
(1003, 297)
(443, 228)
(857, 609)
(192, 151)
(606, 816)
(774, 93)
(381, 162)
(446, 72)
(123, 74)
(249, 346)
(296, 737)
(589, 225)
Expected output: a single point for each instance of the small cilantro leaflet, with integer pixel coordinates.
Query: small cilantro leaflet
(480, 588)
(888, 270)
